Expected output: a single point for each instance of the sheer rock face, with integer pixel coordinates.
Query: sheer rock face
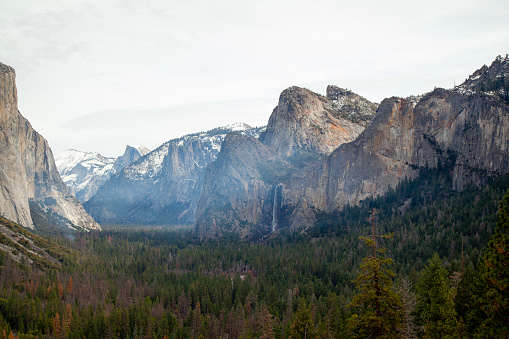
(304, 121)
(243, 187)
(131, 154)
(463, 129)
(238, 195)
(468, 131)
(28, 174)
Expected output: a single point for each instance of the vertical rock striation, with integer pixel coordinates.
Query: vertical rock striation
(28, 175)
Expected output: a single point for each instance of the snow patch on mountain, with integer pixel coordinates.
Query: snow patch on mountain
(150, 166)
(85, 172)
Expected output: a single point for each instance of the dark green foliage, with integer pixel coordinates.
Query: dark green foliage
(468, 299)
(434, 310)
(125, 282)
(303, 325)
(498, 85)
(496, 276)
(379, 307)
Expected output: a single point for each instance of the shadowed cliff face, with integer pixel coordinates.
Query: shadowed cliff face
(474, 128)
(28, 175)
(238, 194)
(164, 186)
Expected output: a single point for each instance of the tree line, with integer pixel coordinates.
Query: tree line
(442, 274)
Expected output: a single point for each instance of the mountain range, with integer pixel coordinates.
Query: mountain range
(85, 172)
(164, 186)
(318, 153)
(258, 186)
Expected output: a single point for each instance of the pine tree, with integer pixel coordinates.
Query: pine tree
(496, 276)
(435, 308)
(408, 299)
(303, 325)
(267, 324)
(380, 307)
(468, 299)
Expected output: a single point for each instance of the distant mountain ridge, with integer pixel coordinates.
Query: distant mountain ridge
(85, 172)
(164, 186)
(316, 154)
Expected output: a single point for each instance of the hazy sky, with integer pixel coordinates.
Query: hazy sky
(97, 75)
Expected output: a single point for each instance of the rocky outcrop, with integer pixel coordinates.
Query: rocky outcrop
(492, 80)
(350, 106)
(85, 172)
(131, 154)
(164, 186)
(28, 175)
(305, 123)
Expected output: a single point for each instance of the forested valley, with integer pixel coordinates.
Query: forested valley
(437, 268)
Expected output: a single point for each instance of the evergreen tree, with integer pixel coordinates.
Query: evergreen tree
(303, 325)
(408, 299)
(435, 311)
(468, 299)
(496, 277)
(380, 307)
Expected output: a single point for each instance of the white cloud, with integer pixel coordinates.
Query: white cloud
(77, 57)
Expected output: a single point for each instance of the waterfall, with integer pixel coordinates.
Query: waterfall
(275, 210)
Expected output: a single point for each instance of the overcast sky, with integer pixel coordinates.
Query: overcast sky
(97, 75)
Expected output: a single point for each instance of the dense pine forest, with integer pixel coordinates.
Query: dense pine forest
(422, 261)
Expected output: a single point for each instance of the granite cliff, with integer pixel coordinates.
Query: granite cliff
(466, 128)
(243, 187)
(30, 182)
(305, 123)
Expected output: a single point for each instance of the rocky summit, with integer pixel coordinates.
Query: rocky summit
(244, 186)
(465, 128)
(30, 185)
(304, 122)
